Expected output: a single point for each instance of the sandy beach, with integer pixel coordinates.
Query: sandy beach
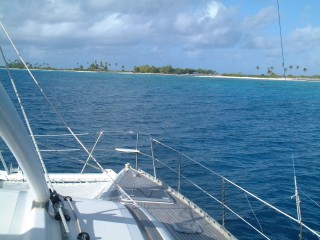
(262, 78)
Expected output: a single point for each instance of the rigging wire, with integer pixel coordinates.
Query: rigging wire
(64, 123)
(310, 198)
(298, 202)
(26, 117)
(47, 99)
(253, 212)
(280, 32)
(296, 195)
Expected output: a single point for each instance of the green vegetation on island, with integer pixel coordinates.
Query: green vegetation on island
(292, 72)
(19, 65)
(98, 66)
(94, 66)
(170, 70)
(289, 72)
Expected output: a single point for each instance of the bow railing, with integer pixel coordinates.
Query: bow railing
(241, 212)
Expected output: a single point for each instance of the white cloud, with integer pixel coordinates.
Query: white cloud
(184, 23)
(255, 35)
(260, 20)
(305, 38)
(179, 29)
(260, 42)
(108, 22)
(213, 9)
(119, 28)
(211, 26)
(35, 30)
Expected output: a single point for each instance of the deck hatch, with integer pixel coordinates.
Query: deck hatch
(187, 227)
(147, 195)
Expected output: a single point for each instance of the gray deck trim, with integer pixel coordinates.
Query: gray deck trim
(144, 222)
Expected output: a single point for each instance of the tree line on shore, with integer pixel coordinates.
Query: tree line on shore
(170, 70)
(18, 64)
(105, 66)
(94, 66)
(100, 66)
(270, 71)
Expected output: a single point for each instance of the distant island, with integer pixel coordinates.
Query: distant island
(94, 66)
(170, 70)
(100, 66)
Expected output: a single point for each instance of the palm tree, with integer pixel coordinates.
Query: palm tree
(297, 67)
(101, 66)
(290, 67)
(269, 71)
(258, 68)
(304, 70)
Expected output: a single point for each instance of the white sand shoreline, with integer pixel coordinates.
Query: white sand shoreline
(261, 78)
(295, 79)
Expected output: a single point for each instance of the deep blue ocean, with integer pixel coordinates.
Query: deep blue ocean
(246, 130)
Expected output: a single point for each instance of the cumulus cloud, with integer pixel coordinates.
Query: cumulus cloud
(261, 19)
(307, 37)
(181, 29)
(115, 21)
(119, 28)
(260, 42)
(212, 26)
(253, 28)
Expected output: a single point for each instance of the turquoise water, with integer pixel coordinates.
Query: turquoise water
(245, 130)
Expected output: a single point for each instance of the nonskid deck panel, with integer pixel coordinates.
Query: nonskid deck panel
(176, 215)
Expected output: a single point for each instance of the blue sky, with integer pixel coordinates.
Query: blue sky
(229, 36)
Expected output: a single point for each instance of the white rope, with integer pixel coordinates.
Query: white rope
(74, 213)
(64, 223)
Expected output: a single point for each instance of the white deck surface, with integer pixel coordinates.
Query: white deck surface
(20, 221)
(101, 219)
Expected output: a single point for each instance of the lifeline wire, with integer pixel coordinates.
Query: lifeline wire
(26, 118)
(56, 111)
(237, 186)
(47, 99)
